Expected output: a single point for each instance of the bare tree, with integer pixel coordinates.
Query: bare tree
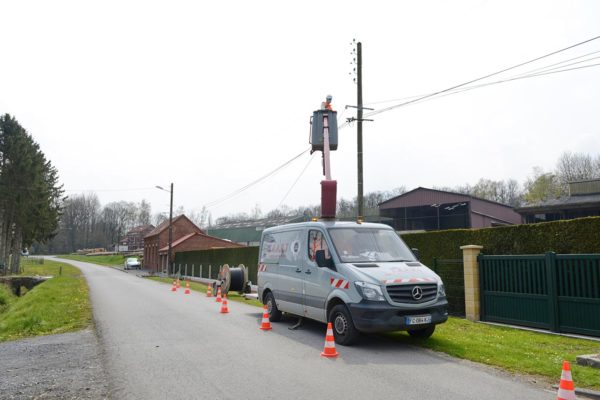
(199, 218)
(144, 211)
(159, 218)
(576, 167)
(118, 218)
(506, 192)
(256, 212)
(513, 195)
(79, 221)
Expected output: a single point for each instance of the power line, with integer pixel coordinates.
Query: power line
(297, 179)
(482, 78)
(256, 181)
(547, 69)
(468, 88)
(562, 62)
(524, 73)
(109, 190)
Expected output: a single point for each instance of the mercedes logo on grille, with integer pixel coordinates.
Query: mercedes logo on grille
(417, 293)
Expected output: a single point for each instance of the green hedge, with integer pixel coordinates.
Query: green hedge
(574, 236)
(452, 274)
(217, 257)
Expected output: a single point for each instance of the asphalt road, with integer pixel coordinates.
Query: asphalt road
(163, 345)
(64, 366)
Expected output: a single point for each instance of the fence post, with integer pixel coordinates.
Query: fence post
(471, 275)
(186, 274)
(209, 268)
(551, 282)
(193, 270)
(200, 276)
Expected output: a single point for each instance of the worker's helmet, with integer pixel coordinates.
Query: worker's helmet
(329, 98)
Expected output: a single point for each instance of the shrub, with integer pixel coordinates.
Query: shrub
(576, 236)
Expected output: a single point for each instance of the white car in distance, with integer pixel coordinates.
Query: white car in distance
(132, 263)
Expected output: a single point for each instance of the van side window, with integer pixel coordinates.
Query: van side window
(316, 241)
(280, 247)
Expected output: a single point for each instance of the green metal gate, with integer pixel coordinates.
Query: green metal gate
(556, 292)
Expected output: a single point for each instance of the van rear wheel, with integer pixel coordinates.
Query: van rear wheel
(274, 313)
(344, 331)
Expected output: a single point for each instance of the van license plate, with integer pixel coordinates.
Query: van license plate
(424, 319)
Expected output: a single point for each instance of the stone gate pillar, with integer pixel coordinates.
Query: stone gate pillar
(471, 275)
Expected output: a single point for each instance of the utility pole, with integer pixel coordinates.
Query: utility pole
(170, 231)
(359, 119)
(169, 260)
(359, 141)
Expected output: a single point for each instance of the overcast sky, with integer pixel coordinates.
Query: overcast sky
(126, 95)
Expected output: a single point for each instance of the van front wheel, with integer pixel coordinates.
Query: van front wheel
(344, 331)
(274, 313)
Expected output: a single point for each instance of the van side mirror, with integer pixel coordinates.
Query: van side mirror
(416, 253)
(323, 262)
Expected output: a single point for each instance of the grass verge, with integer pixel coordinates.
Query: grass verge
(58, 305)
(6, 298)
(107, 261)
(200, 287)
(513, 350)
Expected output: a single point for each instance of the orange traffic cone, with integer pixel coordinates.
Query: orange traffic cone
(218, 295)
(174, 288)
(566, 388)
(209, 291)
(266, 322)
(329, 350)
(178, 283)
(187, 287)
(224, 308)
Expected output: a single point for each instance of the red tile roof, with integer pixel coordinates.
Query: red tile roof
(186, 237)
(165, 224)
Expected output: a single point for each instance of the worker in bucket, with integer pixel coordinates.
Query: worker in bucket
(326, 105)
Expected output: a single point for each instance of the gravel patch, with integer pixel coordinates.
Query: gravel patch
(64, 366)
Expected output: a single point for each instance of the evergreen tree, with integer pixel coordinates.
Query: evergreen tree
(30, 195)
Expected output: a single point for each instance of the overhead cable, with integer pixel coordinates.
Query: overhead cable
(296, 181)
(254, 182)
(481, 78)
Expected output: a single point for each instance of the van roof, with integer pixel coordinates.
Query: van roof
(327, 224)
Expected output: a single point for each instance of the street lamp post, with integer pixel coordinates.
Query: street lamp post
(170, 227)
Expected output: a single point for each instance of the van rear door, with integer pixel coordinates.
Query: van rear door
(288, 291)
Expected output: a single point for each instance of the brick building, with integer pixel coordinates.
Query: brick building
(134, 239)
(158, 238)
(195, 241)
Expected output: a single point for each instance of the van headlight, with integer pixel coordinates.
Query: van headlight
(369, 291)
(441, 290)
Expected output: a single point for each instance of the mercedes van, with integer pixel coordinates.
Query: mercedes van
(361, 277)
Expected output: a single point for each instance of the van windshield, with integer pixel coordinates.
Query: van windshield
(355, 245)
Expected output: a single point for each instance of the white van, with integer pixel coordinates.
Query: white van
(361, 277)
